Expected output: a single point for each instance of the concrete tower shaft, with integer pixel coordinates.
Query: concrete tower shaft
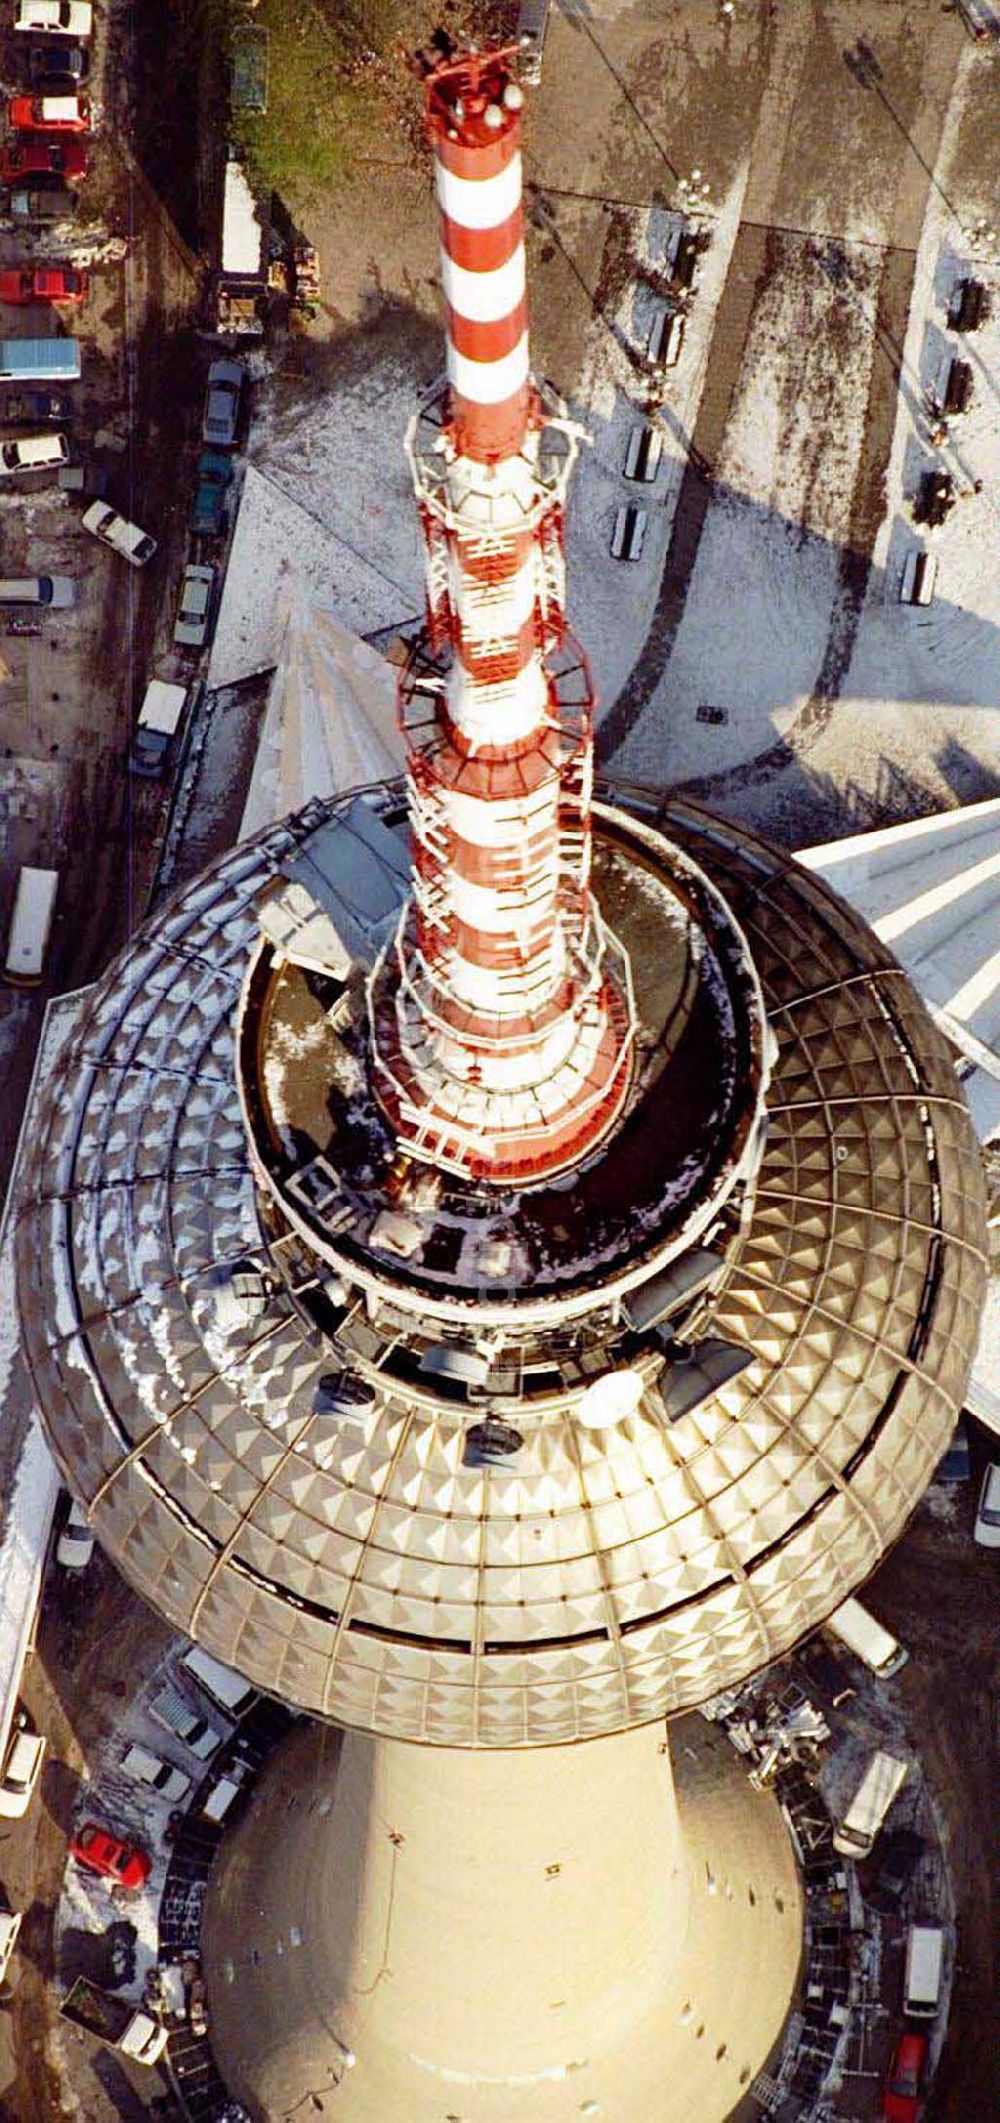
(517, 1936)
(504, 1028)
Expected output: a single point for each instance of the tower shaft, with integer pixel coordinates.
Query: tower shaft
(505, 1044)
(502, 1935)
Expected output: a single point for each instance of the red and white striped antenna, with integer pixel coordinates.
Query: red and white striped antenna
(503, 1021)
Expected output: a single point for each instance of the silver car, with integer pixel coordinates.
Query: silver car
(222, 402)
(195, 609)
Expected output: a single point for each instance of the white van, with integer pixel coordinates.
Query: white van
(157, 727)
(919, 577)
(10, 1925)
(228, 1689)
(59, 591)
(875, 1646)
(987, 1527)
(30, 926)
(21, 1770)
(33, 453)
(855, 1834)
(222, 1798)
(924, 1965)
(146, 1768)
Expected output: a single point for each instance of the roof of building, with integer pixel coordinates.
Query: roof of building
(931, 891)
(352, 1559)
(330, 723)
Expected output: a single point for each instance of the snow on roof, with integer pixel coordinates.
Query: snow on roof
(931, 891)
(331, 722)
(280, 545)
(242, 227)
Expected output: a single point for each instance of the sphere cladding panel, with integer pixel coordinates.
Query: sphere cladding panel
(363, 1571)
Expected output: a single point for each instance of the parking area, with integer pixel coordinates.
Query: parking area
(70, 678)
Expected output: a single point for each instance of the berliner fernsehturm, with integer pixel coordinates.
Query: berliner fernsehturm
(500, 1267)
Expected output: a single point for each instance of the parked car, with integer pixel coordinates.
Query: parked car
(22, 1768)
(75, 1544)
(33, 453)
(10, 1925)
(54, 68)
(955, 1465)
(42, 283)
(110, 1855)
(42, 155)
(899, 1854)
(123, 537)
(30, 406)
(55, 18)
(57, 591)
(987, 1527)
(901, 2100)
(222, 402)
(52, 114)
(156, 728)
(214, 474)
(148, 1769)
(532, 26)
(230, 1690)
(195, 609)
(48, 200)
(825, 1672)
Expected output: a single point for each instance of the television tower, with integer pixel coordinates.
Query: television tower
(500, 1266)
(504, 1027)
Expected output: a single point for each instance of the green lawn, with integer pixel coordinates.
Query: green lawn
(326, 83)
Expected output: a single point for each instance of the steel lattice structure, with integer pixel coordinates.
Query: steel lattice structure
(504, 1027)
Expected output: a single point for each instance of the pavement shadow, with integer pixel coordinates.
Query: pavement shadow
(60, 1792)
(107, 1958)
(120, 2092)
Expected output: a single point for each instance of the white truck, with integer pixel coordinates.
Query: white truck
(855, 1834)
(30, 926)
(129, 2028)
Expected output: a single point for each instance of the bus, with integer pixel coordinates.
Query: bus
(39, 360)
(30, 927)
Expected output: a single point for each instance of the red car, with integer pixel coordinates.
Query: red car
(42, 155)
(100, 1851)
(42, 283)
(53, 114)
(906, 2072)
